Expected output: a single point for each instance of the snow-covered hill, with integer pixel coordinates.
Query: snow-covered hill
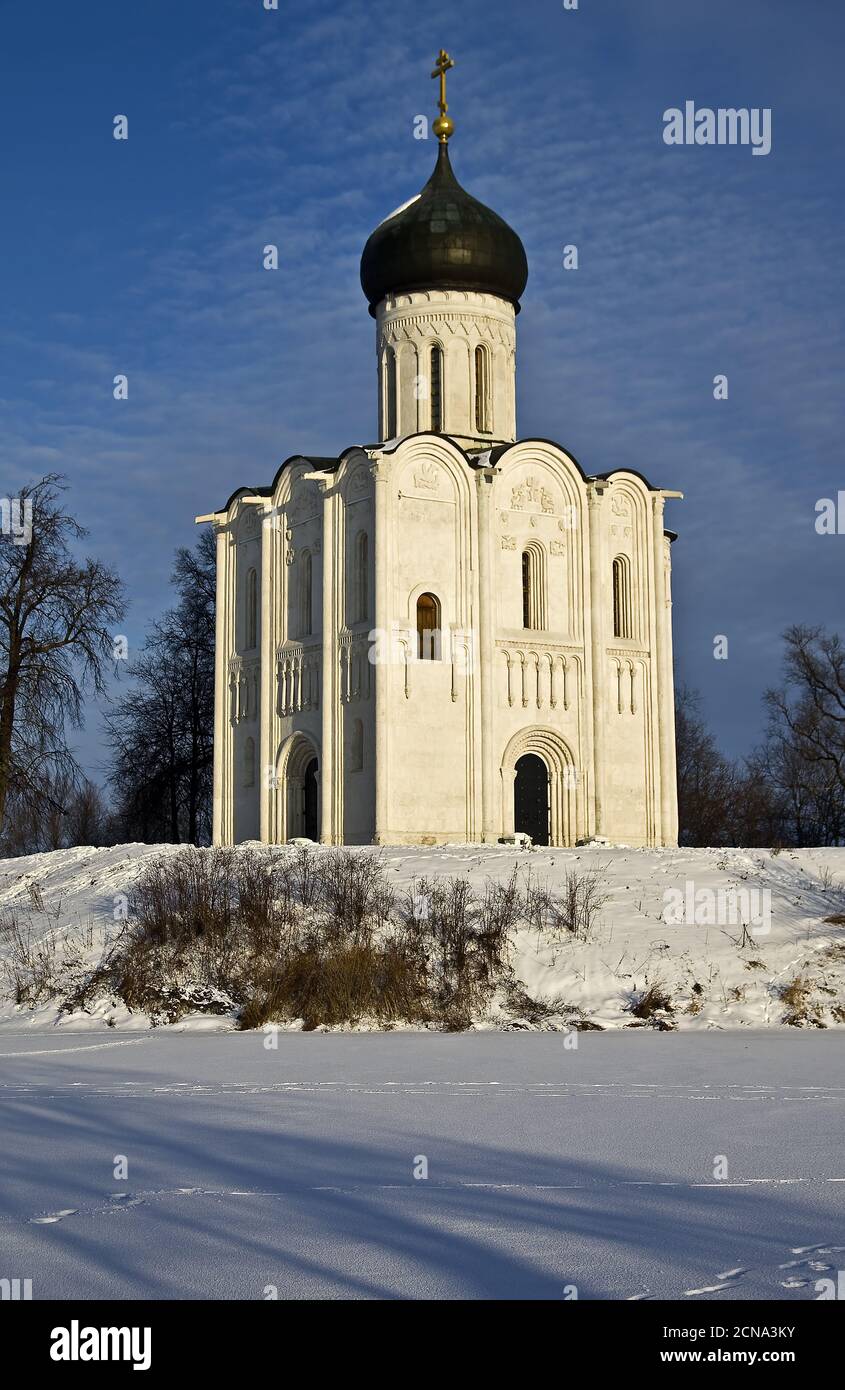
(787, 966)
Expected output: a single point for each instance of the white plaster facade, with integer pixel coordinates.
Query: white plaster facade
(335, 719)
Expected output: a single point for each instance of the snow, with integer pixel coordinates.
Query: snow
(700, 1164)
(713, 977)
(257, 1172)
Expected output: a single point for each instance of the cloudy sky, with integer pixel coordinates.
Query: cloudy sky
(296, 126)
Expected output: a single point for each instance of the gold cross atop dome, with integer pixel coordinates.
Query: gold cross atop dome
(444, 125)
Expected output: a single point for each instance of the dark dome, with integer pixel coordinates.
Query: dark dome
(444, 239)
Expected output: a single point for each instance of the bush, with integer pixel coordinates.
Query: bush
(460, 942)
(653, 1005)
(800, 1010)
(29, 962)
(572, 913)
(308, 934)
(319, 935)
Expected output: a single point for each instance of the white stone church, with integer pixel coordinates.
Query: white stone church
(452, 634)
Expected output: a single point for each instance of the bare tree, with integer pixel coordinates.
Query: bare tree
(87, 820)
(57, 617)
(808, 711)
(806, 734)
(707, 781)
(162, 730)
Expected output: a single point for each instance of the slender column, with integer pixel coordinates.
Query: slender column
(226, 608)
(486, 601)
(664, 677)
(221, 682)
(330, 692)
(598, 581)
(384, 647)
(658, 652)
(265, 790)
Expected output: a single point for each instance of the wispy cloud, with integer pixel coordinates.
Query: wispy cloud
(249, 127)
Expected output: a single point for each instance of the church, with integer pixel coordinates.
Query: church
(453, 634)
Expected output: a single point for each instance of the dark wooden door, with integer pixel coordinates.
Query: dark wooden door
(311, 828)
(531, 798)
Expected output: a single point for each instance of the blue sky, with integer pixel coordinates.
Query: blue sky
(295, 127)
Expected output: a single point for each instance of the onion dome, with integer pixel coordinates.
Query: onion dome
(444, 239)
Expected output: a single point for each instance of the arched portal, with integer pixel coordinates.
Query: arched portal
(542, 789)
(297, 802)
(531, 798)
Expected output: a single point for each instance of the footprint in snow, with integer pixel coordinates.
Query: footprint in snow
(52, 1217)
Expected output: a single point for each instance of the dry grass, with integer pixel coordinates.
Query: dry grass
(654, 1006)
(800, 1011)
(319, 935)
(570, 914)
(29, 967)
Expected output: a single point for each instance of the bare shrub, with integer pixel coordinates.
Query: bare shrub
(304, 876)
(182, 934)
(584, 895)
(652, 1003)
(538, 1009)
(355, 893)
(29, 965)
(186, 896)
(35, 897)
(316, 935)
(341, 984)
(800, 1011)
(570, 914)
(460, 942)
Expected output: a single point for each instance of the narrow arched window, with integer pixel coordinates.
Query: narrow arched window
(305, 567)
(534, 587)
(390, 388)
(482, 390)
(362, 578)
(621, 597)
(251, 609)
(249, 763)
(428, 628)
(436, 388)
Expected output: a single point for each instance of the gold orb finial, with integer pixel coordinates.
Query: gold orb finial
(444, 125)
